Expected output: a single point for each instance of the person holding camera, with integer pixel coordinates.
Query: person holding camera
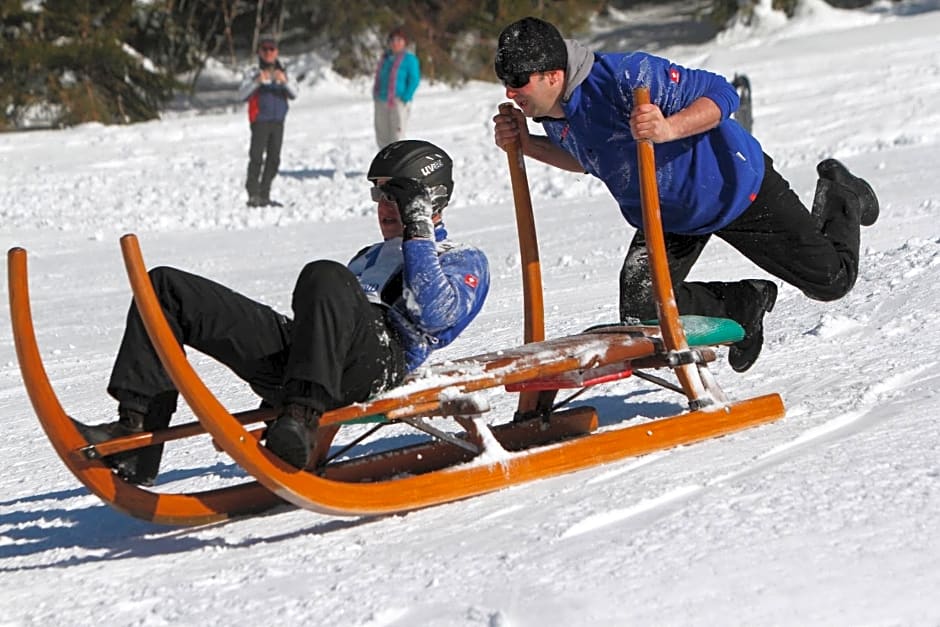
(267, 89)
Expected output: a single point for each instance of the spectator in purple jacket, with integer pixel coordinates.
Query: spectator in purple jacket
(267, 89)
(714, 178)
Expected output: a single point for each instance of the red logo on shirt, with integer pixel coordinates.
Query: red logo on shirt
(471, 280)
(674, 75)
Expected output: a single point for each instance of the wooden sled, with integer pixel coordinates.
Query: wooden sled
(453, 465)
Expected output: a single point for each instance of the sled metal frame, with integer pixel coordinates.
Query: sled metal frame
(424, 474)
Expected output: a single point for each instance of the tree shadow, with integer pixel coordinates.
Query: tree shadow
(614, 410)
(912, 7)
(103, 534)
(109, 535)
(318, 173)
(683, 24)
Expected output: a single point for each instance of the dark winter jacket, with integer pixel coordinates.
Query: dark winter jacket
(705, 181)
(432, 290)
(267, 102)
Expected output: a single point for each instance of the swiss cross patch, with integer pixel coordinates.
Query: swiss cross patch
(471, 280)
(674, 75)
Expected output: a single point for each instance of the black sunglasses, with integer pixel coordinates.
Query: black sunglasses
(268, 48)
(516, 81)
(378, 195)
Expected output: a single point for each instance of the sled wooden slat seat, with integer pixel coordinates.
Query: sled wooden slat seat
(701, 331)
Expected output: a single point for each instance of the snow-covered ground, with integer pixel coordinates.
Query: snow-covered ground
(826, 517)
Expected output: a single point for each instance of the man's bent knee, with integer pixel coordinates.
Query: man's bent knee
(835, 289)
(324, 273)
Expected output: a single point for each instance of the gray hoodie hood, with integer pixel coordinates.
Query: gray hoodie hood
(580, 61)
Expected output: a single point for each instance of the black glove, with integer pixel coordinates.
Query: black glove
(414, 206)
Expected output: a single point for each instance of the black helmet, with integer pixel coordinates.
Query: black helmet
(419, 160)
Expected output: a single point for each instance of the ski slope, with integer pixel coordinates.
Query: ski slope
(826, 517)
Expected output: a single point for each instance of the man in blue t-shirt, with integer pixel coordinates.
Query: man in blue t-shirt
(713, 176)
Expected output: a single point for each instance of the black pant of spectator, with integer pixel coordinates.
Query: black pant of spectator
(264, 158)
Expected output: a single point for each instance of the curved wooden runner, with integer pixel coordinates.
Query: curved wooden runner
(401, 494)
(165, 508)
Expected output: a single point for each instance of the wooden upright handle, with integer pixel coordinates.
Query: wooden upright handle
(663, 295)
(673, 333)
(533, 305)
(534, 322)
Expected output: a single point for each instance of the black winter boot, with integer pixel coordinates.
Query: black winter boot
(138, 415)
(853, 189)
(290, 436)
(750, 315)
(139, 467)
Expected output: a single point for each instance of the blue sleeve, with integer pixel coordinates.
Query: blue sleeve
(412, 77)
(674, 87)
(444, 291)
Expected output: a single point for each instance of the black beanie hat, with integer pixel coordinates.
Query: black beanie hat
(530, 45)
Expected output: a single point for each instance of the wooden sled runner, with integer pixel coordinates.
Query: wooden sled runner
(175, 509)
(452, 466)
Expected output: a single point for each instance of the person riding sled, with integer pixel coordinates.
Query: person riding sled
(356, 330)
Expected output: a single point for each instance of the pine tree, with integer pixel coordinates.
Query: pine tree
(70, 58)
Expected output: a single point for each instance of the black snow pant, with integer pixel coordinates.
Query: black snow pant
(264, 157)
(816, 253)
(339, 348)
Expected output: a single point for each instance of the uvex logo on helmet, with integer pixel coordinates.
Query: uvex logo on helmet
(436, 165)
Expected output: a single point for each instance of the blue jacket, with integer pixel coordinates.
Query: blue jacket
(705, 181)
(443, 287)
(267, 102)
(407, 76)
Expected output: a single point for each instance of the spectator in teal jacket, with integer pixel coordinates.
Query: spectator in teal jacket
(396, 79)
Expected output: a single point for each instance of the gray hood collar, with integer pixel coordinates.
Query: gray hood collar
(580, 61)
